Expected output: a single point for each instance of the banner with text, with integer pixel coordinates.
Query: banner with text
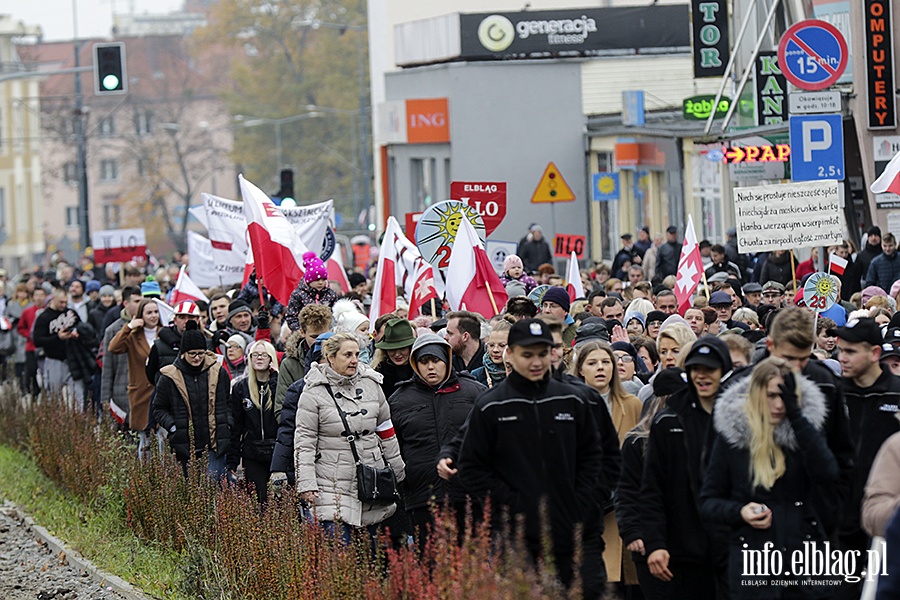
(207, 269)
(788, 215)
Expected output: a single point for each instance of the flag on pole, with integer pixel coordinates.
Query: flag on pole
(472, 282)
(384, 292)
(889, 181)
(166, 312)
(336, 272)
(274, 242)
(690, 268)
(573, 279)
(836, 264)
(186, 289)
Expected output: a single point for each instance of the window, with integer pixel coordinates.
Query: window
(108, 126)
(143, 122)
(111, 214)
(70, 173)
(72, 216)
(422, 176)
(109, 170)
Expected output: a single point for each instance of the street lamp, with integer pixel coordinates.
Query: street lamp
(244, 121)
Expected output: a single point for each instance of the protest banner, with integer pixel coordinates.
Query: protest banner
(788, 216)
(206, 269)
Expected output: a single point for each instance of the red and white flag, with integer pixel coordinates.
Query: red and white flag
(837, 265)
(336, 272)
(274, 242)
(889, 180)
(472, 282)
(384, 291)
(186, 289)
(690, 268)
(573, 279)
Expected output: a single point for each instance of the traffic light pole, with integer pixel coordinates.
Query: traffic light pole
(81, 160)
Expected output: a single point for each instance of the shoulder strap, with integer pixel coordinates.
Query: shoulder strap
(351, 437)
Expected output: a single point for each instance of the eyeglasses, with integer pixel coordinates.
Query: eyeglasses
(772, 294)
(256, 355)
(195, 353)
(625, 359)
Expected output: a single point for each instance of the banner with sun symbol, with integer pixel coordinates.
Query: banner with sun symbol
(437, 229)
(820, 292)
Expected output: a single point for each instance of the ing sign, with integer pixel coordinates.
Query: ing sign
(427, 121)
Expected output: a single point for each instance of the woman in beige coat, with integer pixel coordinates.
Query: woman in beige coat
(326, 471)
(136, 339)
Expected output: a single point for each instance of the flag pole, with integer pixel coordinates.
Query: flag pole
(793, 270)
(706, 286)
(491, 296)
(433, 311)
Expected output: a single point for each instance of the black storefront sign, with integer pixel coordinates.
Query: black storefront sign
(771, 90)
(882, 105)
(580, 32)
(709, 24)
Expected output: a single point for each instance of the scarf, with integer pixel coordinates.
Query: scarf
(495, 373)
(336, 379)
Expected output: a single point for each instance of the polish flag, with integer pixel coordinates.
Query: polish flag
(837, 265)
(889, 181)
(249, 265)
(186, 289)
(336, 272)
(472, 282)
(384, 292)
(275, 243)
(422, 289)
(690, 268)
(573, 277)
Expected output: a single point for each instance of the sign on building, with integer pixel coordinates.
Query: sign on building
(818, 145)
(709, 23)
(879, 44)
(771, 90)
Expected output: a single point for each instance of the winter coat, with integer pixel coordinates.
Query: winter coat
(81, 353)
(622, 256)
(292, 368)
(882, 495)
(533, 441)
(667, 259)
(777, 268)
(864, 259)
(283, 453)
(534, 253)
(114, 375)
(728, 486)
(26, 322)
(628, 492)
(202, 414)
(254, 427)
(872, 413)
(526, 280)
(392, 374)
(322, 455)
(14, 312)
(163, 353)
(425, 419)
(302, 296)
(96, 316)
(884, 271)
(134, 343)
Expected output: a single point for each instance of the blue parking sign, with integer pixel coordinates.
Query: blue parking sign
(817, 147)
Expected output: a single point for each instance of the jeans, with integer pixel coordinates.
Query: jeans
(57, 380)
(216, 467)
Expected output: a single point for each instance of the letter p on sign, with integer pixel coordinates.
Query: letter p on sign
(820, 141)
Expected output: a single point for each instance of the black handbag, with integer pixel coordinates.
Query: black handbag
(377, 485)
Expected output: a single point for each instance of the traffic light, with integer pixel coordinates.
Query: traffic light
(109, 69)
(287, 185)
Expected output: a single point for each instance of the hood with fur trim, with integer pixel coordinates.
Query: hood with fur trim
(731, 422)
(292, 345)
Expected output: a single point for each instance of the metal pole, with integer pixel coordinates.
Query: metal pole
(81, 162)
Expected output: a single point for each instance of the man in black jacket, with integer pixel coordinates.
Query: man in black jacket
(872, 394)
(532, 444)
(534, 249)
(668, 254)
(165, 347)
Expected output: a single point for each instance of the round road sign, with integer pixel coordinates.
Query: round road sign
(820, 292)
(812, 54)
(436, 230)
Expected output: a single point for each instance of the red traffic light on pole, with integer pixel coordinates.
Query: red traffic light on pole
(110, 77)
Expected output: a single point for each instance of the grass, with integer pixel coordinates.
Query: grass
(98, 534)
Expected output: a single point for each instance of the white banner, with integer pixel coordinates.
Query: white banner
(788, 215)
(208, 272)
(310, 222)
(227, 227)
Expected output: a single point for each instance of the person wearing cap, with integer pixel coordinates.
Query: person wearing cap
(240, 320)
(448, 398)
(532, 446)
(724, 307)
(313, 289)
(165, 348)
(772, 294)
(628, 491)
(872, 396)
(668, 254)
(634, 323)
(358, 284)
(720, 264)
(890, 355)
(106, 302)
(884, 269)
(136, 339)
(391, 358)
(192, 404)
(514, 271)
(625, 257)
(347, 318)
(534, 250)
(752, 295)
(556, 304)
(92, 291)
(769, 459)
(314, 319)
(253, 412)
(681, 550)
(655, 319)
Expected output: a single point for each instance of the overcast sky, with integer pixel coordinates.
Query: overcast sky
(94, 16)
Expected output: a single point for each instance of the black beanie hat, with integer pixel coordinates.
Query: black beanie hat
(192, 338)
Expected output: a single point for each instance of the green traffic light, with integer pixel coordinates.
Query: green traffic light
(110, 82)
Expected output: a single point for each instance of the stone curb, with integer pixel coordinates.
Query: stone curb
(73, 558)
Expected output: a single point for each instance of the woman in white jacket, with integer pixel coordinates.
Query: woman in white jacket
(325, 467)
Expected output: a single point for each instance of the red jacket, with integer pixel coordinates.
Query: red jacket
(25, 325)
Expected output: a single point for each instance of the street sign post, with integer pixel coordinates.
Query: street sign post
(488, 198)
(810, 103)
(817, 142)
(812, 54)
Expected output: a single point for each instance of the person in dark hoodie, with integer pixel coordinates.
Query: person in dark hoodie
(682, 552)
(777, 268)
(166, 346)
(392, 354)
(767, 461)
(884, 269)
(448, 398)
(532, 442)
(192, 404)
(865, 256)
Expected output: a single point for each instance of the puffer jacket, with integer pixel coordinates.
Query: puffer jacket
(194, 416)
(322, 456)
(254, 430)
(425, 419)
(884, 270)
(777, 268)
(727, 486)
(526, 280)
(164, 352)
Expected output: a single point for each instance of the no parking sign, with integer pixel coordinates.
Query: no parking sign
(812, 54)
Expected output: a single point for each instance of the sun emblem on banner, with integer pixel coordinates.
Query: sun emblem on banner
(437, 228)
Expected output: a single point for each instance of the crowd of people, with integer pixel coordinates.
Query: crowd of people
(660, 452)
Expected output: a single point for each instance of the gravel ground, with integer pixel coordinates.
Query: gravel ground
(28, 570)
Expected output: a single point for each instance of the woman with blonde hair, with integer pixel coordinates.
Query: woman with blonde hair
(672, 339)
(595, 364)
(253, 410)
(768, 456)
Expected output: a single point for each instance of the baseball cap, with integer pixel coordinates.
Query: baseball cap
(719, 298)
(671, 229)
(752, 288)
(186, 307)
(709, 352)
(626, 236)
(720, 277)
(859, 330)
(891, 344)
(669, 381)
(530, 332)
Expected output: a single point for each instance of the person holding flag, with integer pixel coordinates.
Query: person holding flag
(690, 268)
